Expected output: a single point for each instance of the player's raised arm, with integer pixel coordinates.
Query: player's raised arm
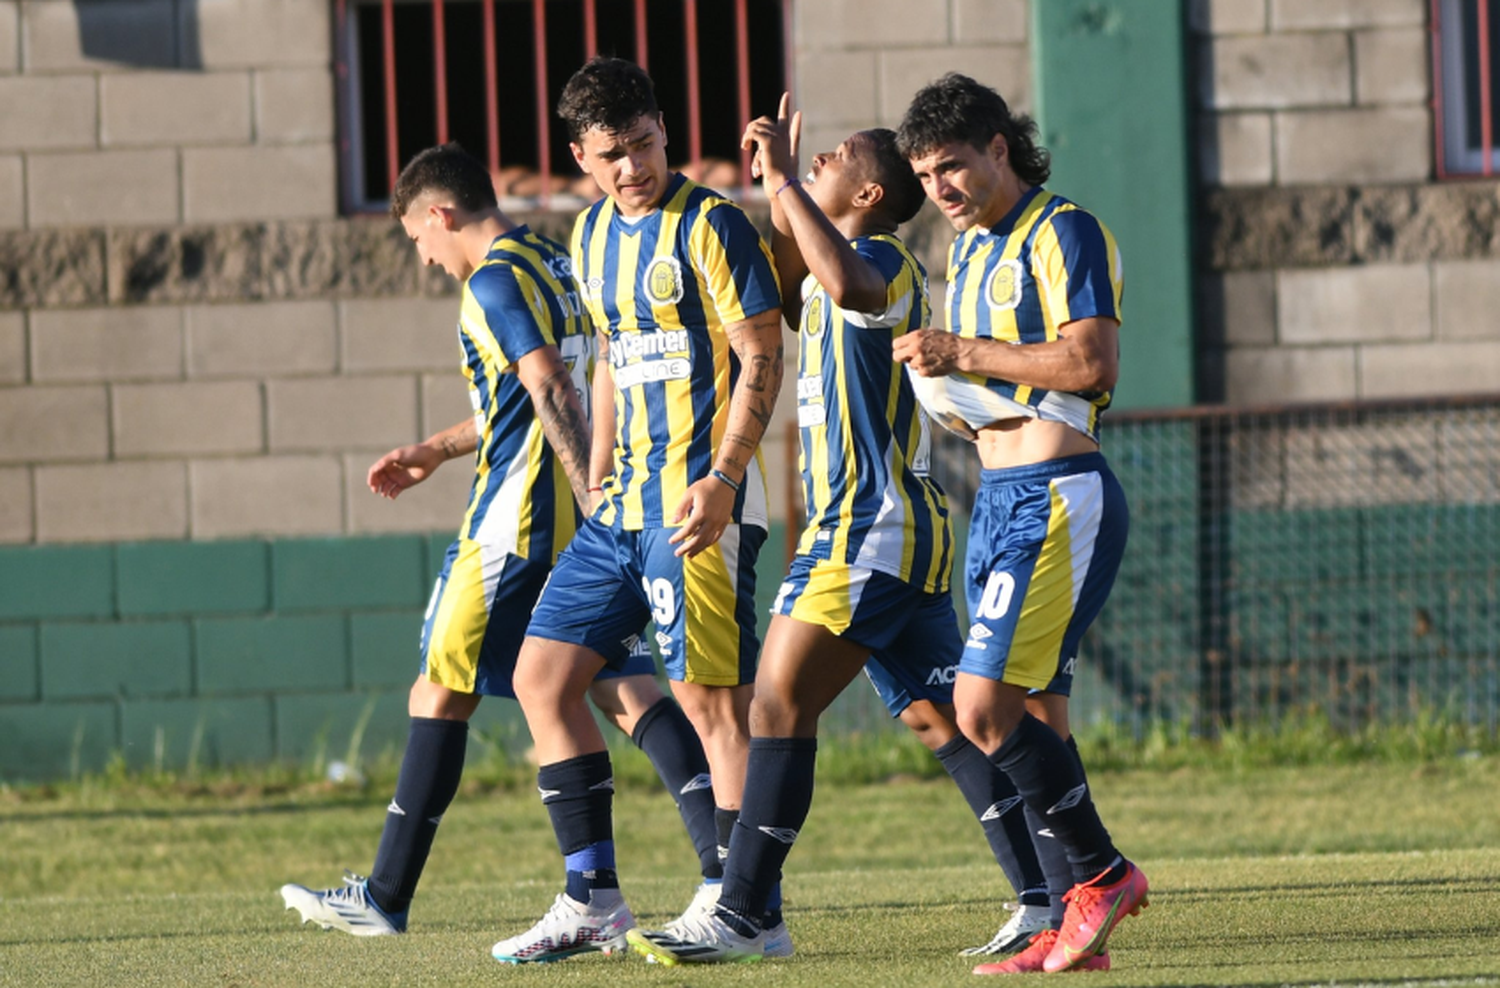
(555, 398)
(408, 466)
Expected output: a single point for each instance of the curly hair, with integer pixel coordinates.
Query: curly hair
(445, 168)
(608, 93)
(958, 109)
(903, 195)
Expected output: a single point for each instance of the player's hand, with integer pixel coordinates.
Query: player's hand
(929, 352)
(775, 143)
(704, 512)
(402, 468)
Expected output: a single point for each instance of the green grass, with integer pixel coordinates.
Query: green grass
(1381, 871)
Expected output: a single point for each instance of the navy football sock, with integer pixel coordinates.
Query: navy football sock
(1001, 812)
(667, 737)
(724, 821)
(579, 796)
(778, 796)
(430, 769)
(1050, 778)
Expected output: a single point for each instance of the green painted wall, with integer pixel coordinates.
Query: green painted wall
(1112, 104)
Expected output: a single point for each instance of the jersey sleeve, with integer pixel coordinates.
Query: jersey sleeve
(735, 262)
(1076, 263)
(506, 305)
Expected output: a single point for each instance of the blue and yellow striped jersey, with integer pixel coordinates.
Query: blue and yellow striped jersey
(865, 440)
(1045, 264)
(662, 289)
(522, 297)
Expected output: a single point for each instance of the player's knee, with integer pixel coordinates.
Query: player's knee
(775, 715)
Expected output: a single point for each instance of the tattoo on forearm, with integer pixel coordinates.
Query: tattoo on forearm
(450, 447)
(567, 431)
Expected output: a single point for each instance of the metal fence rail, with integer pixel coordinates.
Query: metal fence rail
(1337, 559)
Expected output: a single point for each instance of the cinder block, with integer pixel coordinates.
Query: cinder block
(12, 193)
(1303, 15)
(1362, 304)
(1428, 369)
(43, 112)
(94, 188)
(346, 727)
(1255, 375)
(445, 402)
(18, 659)
(10, 33)
(1276, 71)
(1392, 66)
(350, 573)
(386, 648)
(1236, 149)
(1249, 308)
(400, 334)
(98, 36)
(1467, 297)
(47, 742)
(271, 654)
(12, 347)
(904, 71)
(258, 33)
(341, 412)
(261, 338)
(266, 495)
(16, 520)
(186, 419)
(836, 90)
(842, 24)
(117, 343)
(259, 183)
(174, 108)
(191, 734)
(99, 502)
(53, 423)
(193, 578)
(979, 22)
(1391, 144)
(116, 659)
(437, 504)
(56, 581)
(1227, 16)
(293, 105)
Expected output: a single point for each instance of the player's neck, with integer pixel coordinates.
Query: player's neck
(480, 233)
(1010, 191)
(863, 223)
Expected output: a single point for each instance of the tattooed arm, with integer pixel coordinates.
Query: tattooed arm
(557, 404)
(708, 504)
(408, 466)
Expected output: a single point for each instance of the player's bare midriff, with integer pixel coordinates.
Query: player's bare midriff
(1018, 442)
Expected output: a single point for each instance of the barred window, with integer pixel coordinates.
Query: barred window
(488, 74)
(1467, 86)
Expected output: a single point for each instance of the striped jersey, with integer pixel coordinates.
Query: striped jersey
(520, 298)
(865, 441)
(1046, 263)
(662, 288)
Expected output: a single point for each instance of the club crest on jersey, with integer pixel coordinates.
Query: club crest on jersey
(812, 315)
(1004, 289)
(662, 281)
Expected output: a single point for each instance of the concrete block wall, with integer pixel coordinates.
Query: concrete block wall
(1336, 268)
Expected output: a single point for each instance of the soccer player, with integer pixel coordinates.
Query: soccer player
(1034, 287)
(683, 293)
(869, 585)
(527, 358)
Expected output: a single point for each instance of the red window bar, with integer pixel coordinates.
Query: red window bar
(543, 103)
(1450, 73)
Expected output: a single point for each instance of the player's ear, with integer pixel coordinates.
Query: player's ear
(661, 125)
(998, 147)
(577, 150)
(869, 195)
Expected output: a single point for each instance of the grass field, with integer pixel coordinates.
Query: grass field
(1372, 873)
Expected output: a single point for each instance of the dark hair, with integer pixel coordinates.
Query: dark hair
(608, 93)
(956, 108)
(445, 168)
(902, 190)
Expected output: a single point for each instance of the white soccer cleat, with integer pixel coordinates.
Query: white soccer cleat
(709, 940)
(1027, 922)
(705, 898)
(779, 941)
(349, 909)
(569, 928)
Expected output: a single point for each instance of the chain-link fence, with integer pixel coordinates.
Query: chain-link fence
(1339, 559)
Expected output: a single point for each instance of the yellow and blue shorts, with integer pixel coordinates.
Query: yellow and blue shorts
(1045, 543)
(476, 620)
(610, 581)
(912, 635)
